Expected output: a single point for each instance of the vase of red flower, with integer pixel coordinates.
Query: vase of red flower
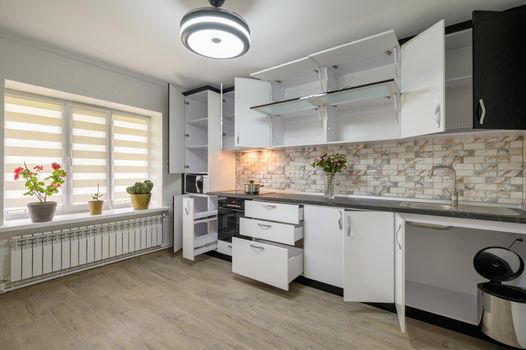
(331, 164)
(42, 189)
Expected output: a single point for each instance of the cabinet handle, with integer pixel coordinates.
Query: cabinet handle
(437, 114)
(186, 209)
(269, 207)
(396, 236)
(340, 220)
(257, 247)
(264, 227)
(230, 246)
(483, 108)
(237, 139)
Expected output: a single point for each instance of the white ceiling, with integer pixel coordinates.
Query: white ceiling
(143, 35)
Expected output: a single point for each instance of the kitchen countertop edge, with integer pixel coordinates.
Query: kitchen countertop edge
(370, 204)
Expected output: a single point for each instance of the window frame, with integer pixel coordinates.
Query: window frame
(67, 207)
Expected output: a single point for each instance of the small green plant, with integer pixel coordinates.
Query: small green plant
(140, 187)
(96, 196)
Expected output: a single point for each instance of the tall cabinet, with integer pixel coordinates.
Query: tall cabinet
(201, 133)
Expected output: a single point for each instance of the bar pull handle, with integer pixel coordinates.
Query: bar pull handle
(437, 114)
(257, 247)
(482, 108)
(396, 236)
(264, 226)
(269, 206)
(340, 220)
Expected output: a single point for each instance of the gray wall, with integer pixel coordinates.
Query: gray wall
(35, 63)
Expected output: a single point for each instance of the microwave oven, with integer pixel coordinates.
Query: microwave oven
(195, 183)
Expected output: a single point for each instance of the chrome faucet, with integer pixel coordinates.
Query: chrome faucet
(453, 196)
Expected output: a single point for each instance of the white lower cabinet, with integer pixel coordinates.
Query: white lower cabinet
(224, 247)
(323, 244)
(373, 264)
(271, 263)
(196, 218)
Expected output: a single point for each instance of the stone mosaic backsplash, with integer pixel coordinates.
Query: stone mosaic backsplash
(489, 168)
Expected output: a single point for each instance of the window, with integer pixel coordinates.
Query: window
(97, 146)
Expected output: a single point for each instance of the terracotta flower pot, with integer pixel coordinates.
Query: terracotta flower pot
(141, 201)
(41, 212)
(95, 207)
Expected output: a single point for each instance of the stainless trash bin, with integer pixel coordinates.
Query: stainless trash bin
(503, 306)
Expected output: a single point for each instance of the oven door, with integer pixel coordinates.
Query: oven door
(228, 223)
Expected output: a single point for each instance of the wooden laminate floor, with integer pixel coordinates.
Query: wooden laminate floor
(160, 301)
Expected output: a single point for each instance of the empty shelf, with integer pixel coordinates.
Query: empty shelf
(374, 91)
(201, 122)
(200, 241)
(198, 147)
(445, 302)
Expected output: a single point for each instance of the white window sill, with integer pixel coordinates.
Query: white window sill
(21, 225)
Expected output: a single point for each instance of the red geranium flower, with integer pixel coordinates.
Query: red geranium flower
(38, 167)
(55, 166)
(17, 172)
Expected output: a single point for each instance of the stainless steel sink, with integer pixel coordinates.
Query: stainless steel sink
(462, 208)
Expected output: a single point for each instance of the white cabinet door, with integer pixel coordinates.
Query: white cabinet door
(176, 139)
(188, 228)
(423, 83)
(252, 129)
(400, 271)
(323, 244)
(178, 223)
(221, 165)
(369, 257)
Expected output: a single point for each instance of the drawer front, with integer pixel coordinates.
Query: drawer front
(224, 247)
(288, 213)
(265, 262)
(270, 231)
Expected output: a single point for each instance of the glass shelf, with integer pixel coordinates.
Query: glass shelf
(384, 89)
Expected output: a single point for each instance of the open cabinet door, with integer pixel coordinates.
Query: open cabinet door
(176, 139)
(368, 257)
(400, 270)
(252, 129)
(188, 228)
(423, 83)
(221, 165)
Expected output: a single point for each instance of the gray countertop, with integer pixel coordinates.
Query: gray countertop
(373, 204)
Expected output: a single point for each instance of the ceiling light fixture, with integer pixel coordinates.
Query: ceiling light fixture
(214, 32)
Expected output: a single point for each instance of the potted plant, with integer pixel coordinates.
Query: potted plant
(331, 164)
(43, 210)
(140, 194)
(96, 204)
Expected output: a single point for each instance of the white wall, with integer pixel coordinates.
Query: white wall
(37, 64)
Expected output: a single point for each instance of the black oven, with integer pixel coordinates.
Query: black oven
(229, 211)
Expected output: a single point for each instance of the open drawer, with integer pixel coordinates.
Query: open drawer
(289, 213)
(271, 263)
(270, 231)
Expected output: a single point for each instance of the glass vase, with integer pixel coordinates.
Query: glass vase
(329, 186)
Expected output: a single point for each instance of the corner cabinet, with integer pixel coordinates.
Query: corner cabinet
(200, 132)
(366, 90)
(373, 260)
(499, 75)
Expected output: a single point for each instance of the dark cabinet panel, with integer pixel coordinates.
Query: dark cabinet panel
(499, 69)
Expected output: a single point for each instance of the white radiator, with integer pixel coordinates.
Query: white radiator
(42, 255)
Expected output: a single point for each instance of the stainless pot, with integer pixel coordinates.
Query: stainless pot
(252, 188)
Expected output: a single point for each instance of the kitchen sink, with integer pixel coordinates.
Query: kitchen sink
(462, 208)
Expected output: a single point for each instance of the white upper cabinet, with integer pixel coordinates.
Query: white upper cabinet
(367, 90)
(252, 129)
(176, 126)
(423, 70)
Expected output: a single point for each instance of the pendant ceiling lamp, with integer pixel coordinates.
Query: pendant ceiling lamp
(214, 32)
